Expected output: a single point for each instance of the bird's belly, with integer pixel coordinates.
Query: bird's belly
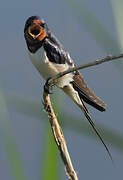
(48, 69)
(45, 67)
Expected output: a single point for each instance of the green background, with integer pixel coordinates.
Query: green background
(88, 30)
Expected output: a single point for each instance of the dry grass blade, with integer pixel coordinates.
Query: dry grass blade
(51, 81)
(56, 129)
(59, 138)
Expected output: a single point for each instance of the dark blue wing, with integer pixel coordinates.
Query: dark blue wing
(55, 52)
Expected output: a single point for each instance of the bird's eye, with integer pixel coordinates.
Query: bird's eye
(34, 30)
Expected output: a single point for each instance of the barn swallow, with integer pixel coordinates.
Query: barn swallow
(50, 58)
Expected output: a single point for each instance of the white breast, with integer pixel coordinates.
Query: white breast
(48, 69)
(39, 60)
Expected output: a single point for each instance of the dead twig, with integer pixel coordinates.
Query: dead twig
(59, 138)
(56, 129)
(93, 63)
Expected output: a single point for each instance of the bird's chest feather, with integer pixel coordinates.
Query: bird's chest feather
(47, 68)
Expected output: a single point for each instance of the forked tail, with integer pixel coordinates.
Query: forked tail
(86, 113)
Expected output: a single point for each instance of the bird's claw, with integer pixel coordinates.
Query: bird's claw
(47, 87)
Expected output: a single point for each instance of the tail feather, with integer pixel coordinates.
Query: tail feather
(74, 95)
(87, 115)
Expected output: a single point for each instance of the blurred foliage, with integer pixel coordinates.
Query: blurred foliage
(32, 108)
(51, 157)
(117, 14)
(97, 29)
(92, 24)
(110, 135)
(10, 146)
(51, 165)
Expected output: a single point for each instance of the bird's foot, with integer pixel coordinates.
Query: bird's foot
(48, 87)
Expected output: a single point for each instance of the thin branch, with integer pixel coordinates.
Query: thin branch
(59, 138)
(56, 129)
(93, 63)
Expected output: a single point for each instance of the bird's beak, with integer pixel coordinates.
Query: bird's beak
(36, 32)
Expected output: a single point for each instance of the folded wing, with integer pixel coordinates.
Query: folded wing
(86, 93)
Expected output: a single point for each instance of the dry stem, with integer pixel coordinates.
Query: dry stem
(59, 138)
(56, 129)
(93, 63)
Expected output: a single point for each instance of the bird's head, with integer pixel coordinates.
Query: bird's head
(35, 32)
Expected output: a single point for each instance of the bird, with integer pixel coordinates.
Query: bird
(49, 57)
